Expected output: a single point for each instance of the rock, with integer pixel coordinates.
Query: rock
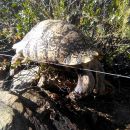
(6, 116)
(11, 119)
(11, 100)
(127, 127)
(24, 79)
(10, 113)
(31, 110)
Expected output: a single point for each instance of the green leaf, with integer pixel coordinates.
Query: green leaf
(14, 5)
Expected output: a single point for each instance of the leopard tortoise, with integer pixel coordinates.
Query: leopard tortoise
(56, 41)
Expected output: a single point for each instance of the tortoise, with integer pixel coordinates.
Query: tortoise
(59, 42)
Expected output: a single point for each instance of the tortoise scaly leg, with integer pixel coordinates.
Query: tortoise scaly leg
(15, 62)
(84, 86)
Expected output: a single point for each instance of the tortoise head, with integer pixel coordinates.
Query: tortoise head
(81, 57)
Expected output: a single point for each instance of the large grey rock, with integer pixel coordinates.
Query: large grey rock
(10, 113)
(6, 116)
(31, 111)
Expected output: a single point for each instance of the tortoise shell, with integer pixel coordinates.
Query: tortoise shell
(56, 41)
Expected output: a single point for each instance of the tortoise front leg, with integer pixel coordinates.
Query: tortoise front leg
(84, 86)
(15, 62)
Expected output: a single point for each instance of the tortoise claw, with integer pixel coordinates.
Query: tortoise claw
(75, 96)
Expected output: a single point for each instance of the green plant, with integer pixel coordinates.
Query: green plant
(98, 19)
